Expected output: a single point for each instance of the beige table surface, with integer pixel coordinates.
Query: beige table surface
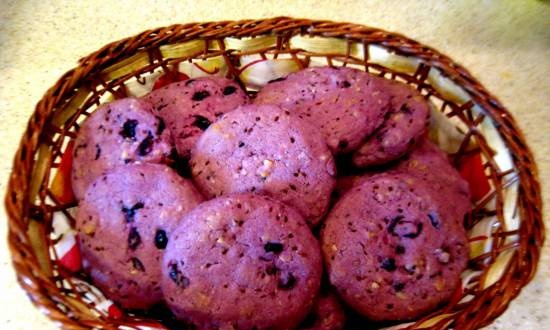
(506, 44)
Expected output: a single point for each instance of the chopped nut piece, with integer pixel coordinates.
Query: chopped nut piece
(439, 284)
(442, 256)
(89, 228)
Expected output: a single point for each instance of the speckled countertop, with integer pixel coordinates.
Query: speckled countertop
(505, 44)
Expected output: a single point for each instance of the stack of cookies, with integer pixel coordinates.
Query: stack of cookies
(319, 196)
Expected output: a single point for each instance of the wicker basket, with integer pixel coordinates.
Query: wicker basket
(506, 229)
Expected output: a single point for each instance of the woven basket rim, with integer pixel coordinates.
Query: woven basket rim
(40, 287)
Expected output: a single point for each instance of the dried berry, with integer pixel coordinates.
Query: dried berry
(388, 264)
(177, 276)
(134, 239)
(286, 281)
(137, 265)
(161, 126)
(201, 122)
(400, 227)
(128, 130)
(146, 146)
(398, 286)
(97, 152)
(161, 240)
(274, 247)
(414, 234)
(229, 90)
(393, 222)
(400, 249)
(129, 213)
(200, 95)
(345, 84)
(434, 220)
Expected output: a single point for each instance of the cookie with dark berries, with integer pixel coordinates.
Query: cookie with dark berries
(243, 261)
(391, 251)
(188, 107)
(124, 223)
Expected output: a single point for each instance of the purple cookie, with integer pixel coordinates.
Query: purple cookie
(121, 132)
(124, 222)
(190, 106)
(265, 149)
(242, 262)
(391, 251)
(327, 314)
(346, 104)
(407, 120)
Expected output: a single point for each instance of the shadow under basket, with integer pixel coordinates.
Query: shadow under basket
(505, 229)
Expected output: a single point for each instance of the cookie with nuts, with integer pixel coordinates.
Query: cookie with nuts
(268, 150)
(242, 261)
(391, 251)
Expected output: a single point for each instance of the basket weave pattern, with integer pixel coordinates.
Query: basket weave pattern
(512, 210)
